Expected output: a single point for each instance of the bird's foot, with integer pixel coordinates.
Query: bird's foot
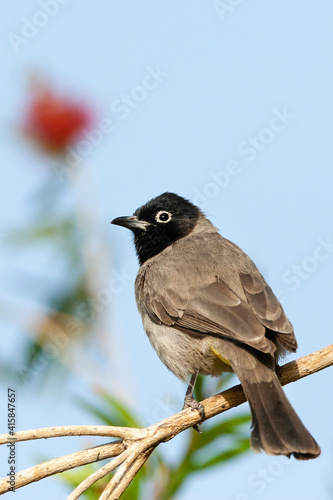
(190, 402)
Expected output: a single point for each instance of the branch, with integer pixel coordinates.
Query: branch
(64, 463)
(74, 430)
(137, 444)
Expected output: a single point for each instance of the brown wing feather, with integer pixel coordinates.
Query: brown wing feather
(215, 310)
(268, 310)
(197, 299)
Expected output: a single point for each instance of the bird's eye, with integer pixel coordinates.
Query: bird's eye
(163, 216)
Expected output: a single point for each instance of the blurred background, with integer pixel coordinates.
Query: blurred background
(104, 106)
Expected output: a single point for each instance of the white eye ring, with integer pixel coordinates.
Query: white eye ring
(160, 213)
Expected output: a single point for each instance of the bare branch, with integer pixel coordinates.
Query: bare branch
(61, 464)
(290, 372)
(137, 444)
(103, 471)
(115, 488)
(74, 430)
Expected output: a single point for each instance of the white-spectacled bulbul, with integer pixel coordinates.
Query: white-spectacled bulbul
(207, 310)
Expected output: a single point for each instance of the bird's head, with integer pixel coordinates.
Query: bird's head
(159, 223)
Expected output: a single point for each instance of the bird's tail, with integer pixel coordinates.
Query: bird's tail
(276, 427)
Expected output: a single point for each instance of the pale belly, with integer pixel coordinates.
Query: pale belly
(184, 354)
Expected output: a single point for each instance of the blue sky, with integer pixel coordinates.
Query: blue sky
(228, 104)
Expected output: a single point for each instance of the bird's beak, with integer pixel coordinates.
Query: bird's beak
(131, 222)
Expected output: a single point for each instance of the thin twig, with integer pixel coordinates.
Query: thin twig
(128, 476)
(73, 430)
(95, 476)
(115, 480)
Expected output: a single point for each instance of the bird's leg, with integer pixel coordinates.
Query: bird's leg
(191, 402)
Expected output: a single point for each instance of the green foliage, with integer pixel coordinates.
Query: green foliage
(110, 411)
(58, 231)
(133, 492)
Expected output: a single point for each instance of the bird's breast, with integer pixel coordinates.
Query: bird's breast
(184, 354)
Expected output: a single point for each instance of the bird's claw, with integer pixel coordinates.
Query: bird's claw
(190, 402)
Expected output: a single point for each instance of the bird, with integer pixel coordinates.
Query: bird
(207, 310)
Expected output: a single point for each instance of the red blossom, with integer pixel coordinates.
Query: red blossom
(55, 122)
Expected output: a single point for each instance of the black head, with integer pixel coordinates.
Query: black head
(159, 223)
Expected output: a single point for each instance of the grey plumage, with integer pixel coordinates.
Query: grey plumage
(207, 309)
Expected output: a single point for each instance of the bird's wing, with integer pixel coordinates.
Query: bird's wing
(268, 310)
(201, 302)
(213, 309)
